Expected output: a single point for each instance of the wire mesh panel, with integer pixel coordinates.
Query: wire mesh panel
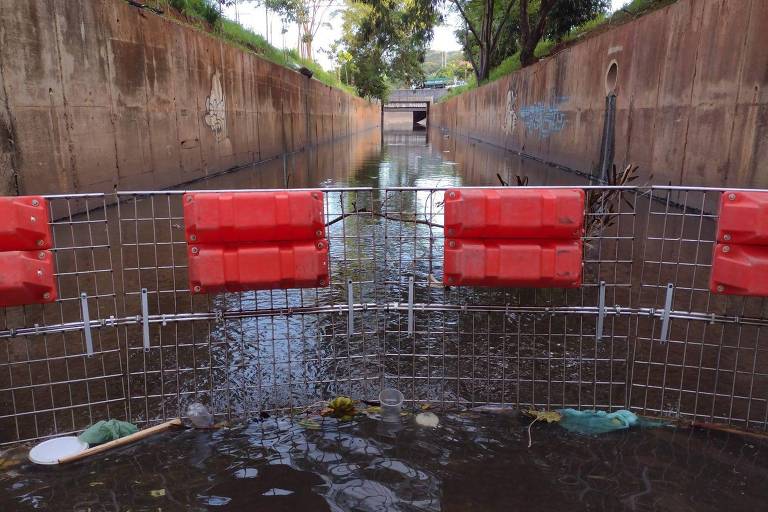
(128, 340)
(468, 346)
(55, 375)
(245, 353)
(709, 360)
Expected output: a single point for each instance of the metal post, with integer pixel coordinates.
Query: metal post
(145, 318)
(600, 312)
(86, 324)
(607, 142)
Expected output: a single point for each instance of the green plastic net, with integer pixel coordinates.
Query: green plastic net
(105, 431)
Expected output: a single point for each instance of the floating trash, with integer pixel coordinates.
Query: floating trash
(427, 419)
(601, 422)
(391, 405)
(590, 422)
(199, 415)
(105, 431)
(341, 407)
(49, 452)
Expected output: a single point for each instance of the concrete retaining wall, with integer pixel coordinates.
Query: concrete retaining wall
(692, 98)
(96, 94)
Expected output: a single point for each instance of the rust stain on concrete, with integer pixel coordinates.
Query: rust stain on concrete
(692, 98)
(143, 102)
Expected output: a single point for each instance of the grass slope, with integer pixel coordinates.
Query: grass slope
(205, 15)
(545, 48)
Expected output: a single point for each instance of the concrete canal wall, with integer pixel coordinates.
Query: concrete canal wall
(691, 85)
(96, 94)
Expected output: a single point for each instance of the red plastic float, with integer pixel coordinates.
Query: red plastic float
(514, 213)
(237, 268)
(740, 270)
(513, 263)
(254, 216)
(27, 278)
(743, 218)
(514, 237)
(241, 241)
(25, 224)
(740, 258)
(28, 269)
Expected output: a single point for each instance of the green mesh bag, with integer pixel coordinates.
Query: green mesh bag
(105, 431)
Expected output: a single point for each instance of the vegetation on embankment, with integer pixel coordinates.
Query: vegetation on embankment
(549, 47)
(205, 15)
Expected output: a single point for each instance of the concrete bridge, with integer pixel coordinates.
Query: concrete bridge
(418, 109)
(431, 95)
(416, 101)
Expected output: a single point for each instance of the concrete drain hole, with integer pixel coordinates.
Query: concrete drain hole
(611, 77)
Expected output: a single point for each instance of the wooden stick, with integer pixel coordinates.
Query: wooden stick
(730, 430)
(141, 434)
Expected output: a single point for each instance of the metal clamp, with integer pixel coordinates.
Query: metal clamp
(86, 324)
(145, 318)
(600, 312)
(665, 313)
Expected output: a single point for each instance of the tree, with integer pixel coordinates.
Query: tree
(568, 14)
(533, 22)
(507, 44)
(309, 16)
(552, 17)
(387, 40)
(485, 21)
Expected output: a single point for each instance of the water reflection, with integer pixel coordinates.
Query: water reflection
(471, 462)
(379, 240)
(398, 157)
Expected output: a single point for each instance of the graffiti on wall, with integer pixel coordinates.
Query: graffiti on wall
(546, 119)
(510, 119)
(215, 112)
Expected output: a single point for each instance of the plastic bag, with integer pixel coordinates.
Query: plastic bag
(105, 431)
(601, 422)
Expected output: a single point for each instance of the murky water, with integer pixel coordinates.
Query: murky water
(471, 462)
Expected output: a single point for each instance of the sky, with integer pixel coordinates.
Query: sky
(255, 19)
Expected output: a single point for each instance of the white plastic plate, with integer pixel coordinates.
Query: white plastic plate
(50, 451)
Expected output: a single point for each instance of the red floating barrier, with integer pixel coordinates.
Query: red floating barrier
(513, 263)
(237, 268)
(514, 213)
(27, 278)
(24, 225)
(740, 270)
(743, 218)
(214, 218)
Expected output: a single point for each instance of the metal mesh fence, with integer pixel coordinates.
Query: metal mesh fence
(127, 340)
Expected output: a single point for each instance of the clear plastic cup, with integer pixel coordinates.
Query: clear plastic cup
(391, 404)
(199, 416)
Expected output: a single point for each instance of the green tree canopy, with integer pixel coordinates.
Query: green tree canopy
(387, 40)
(488, 34)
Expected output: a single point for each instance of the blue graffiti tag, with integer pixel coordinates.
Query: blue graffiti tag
(546, 119)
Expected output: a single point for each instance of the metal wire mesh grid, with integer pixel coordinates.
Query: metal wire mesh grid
(715, 367)
(48, 383)
(642, 332)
